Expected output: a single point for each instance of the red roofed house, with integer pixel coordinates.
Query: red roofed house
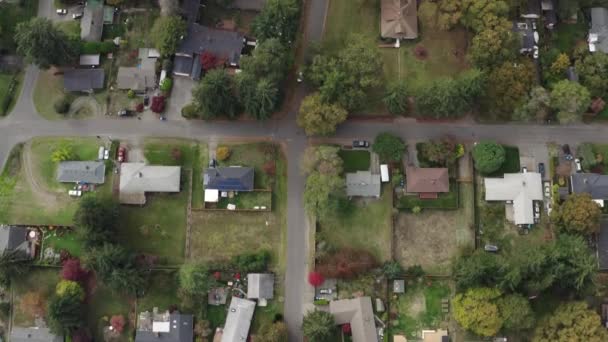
(427, 182)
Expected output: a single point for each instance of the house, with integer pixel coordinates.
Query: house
(90, 172)
(233, 178)
(108, 15)
(532, 10)
(519, 190)
(91, 23)
(593, 184)
(240, 314)
(225, 46)
(89, 60)
(83, 80)
(248, 5)
(527, 39)
(362, 184)
(359, 313)
(549, 13)
(165, 326)
(598, 34)
(136, 78)
(17, 239)
(602, 246)
(260, 286)
(427, 182)
(33, 334)
(398, 19)
(138, 178)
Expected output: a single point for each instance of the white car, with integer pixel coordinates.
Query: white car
(76, 16)
(106, 154)
(75, 193)
(579, 167)
(100, 152)
(62, 11)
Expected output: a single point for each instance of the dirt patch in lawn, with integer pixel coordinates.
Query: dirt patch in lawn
(42, 194)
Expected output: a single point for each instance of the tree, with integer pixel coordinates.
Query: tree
(96, 220)
(259, 98)
(317, 117)
(516, 312)
(195, 279)
(222, 153)
(475, 310)
(347, 78)
(508, 86)
(275, 332)
(12, 263)
(591, 69)
(392, 269)
(118, 323)
(587, 156)
(479, 269)
(63, 152)
(69, 288)
(65, 314)
(322, 193)
(315, 279)
(396, 99)
(41, 43)
(252, 262)
(536, 106)
(450, 12)
(322, 158)
(449, 97)
(570, 99)
(481, 14)
(578, 214)
(278, 19)
(571, 322)
(167, 32)
(115, 267)
(491, 47)
(560, 65)
(440, 152)
(389, 147)
(71, 270)
(346, 263)
(318, 326)
(215, 95)
(488, 156)
(270, 60)
(62, 105)
(158, 104)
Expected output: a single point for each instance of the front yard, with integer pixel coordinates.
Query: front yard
(355, 160)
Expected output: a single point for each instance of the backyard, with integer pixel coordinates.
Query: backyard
(366, 224)
(433, 238)
(102, 304)
(36, 283)
(355, 160)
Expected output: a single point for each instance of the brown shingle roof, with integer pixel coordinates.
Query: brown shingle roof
(427, 179)
(399, 19)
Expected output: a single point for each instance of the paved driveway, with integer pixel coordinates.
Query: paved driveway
(181, 95)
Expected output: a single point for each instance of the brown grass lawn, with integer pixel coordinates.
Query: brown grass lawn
(432, 238)
(41, 281)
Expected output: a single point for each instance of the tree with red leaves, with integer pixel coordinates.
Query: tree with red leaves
(72, 271)
(217, 275)
(346, 263)
(158, 104)
(118, 323)
(315, 279)
(346, 328)
(208, 60)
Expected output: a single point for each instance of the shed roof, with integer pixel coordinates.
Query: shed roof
(226, 45)
(137, 79)
(89, 59)
(91, 23)
(164, 327)
(520, 188)
(363, 183)
(260, 286)
(238, 321)
(593, 184)
(138, 178)
(399, 19)
(13, 238)
(234, 178)
(359, 313)
(108, 15)
(427, 180)
(33, 334)
(398, 286)
(83, 79)
(92, 172)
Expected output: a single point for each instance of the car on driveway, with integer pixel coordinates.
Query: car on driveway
(76, 16)
(62, 11)
(122, 154)
(490, 248)
(360, 144)
(579, 167)
(567, 153)
(547, 189)
(541, 169)
(106, 154)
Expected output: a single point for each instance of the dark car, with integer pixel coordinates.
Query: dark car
(125, 112)
(146, 100)
(360, 144)
(567, 153)
(541, 169)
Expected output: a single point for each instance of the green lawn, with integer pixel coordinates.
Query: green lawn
(447, 200)
(253, 155)
(355, 160)
(102, 304)
(566, 36)
(49, 88)
(66, 240)
(161, 292)
(511, 164)
(366, 225)
(37, 280)
(70, 27)
(10, 15)
(248, 200)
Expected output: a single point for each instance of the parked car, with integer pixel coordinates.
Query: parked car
(75, 193)
(326, 291)
(547, 189)
(579, 167)
(106, 154)
(76, 16)
(524, 169)
(122, 154)
(541, 169)
(62, 11)
(490, 248)
(100, 152)
(212, 163)
(125, 112)
(567, 153)
(360, 144)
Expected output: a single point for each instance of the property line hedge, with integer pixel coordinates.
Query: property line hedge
(10, 94)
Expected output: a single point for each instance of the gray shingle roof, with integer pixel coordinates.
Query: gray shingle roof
(235, 178)
(399, 19)
(164, 327)
(138, 178)
(593, 184)
(13, 239)
(83, 79)
(521, 188)
(238, 321)
(33, 334)
(359, 313)
(362, 183)
(226, 45)
(260, 285)
(92, 172)
(135, 78)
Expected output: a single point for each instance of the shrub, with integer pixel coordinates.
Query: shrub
(321, 302)
(72, 271)
(63, 104)
(222, 153)
(488, 156)
(252, 262)
(166, 85)
(118, 323)
(131, 94)
(92, 48)
(190, 111)
(140, 107)
(158, 104)
(270, 168)
(315, 279)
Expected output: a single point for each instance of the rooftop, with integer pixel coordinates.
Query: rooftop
(164, 326)
(593, 184)
(399, 19)
(260, 286)
(225, 45)
(83, 79)
(238, 321)
(520, 188)
(602, 245)
(92, 172)
(136, 78)
(138, 178)
(359, 313)
(14, 238)
(427, 180)
(233, 178)
(598, 34)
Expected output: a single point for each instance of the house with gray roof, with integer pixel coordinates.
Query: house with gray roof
(138, 79)
(15, 239)
(519, 190)
(232, 178)
(260, 286)
(359, 313)
(399, 19)
(238, 321)
(33, 334)
(83, 80)
(226, 46)
(362, 184)
(91, 23)
(136, 179)
(90, 172)
(164, 326)
(598, 34)
(593, 184)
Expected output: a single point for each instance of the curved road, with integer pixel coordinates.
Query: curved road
(24, 123)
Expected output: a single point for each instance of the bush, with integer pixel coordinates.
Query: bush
(222, 153)
(131, 94)
(321, 302)
(252, 262)
(158, 104)
(63, 104)
(270, 168)
(488, 156)
(190, 111)
(168, 65)
(166, 85)
(92, 48)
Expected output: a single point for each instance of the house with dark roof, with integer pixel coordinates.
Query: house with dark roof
(34, 334)
(427, 182)
(83, 80)
(532, 10)
(248, 5)
(190, 10)
(225, 46)
(164, 326)
(602, 246)
(593, 184)
(91, 23)
(233, 178)
(15, 239)
(260, 286)
(398, 19)
(525, 32)
(90, 172)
